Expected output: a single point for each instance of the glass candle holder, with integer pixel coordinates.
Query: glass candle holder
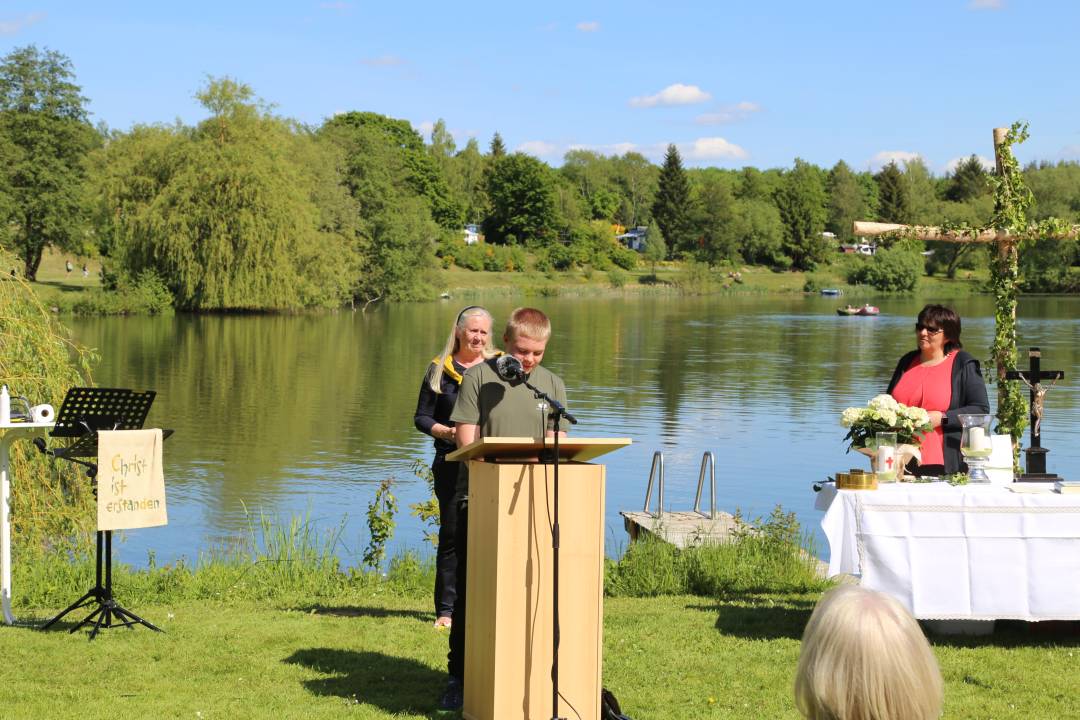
(975, 445)
(885, 456)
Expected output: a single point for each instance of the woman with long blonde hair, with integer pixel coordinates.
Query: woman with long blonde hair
(469, 343)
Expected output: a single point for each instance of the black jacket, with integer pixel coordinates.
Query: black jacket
(433, 407)
(968, 397)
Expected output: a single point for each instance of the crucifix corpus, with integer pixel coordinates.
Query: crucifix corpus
(1033, 377)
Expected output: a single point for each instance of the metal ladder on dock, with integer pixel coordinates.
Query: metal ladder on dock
(680, 528)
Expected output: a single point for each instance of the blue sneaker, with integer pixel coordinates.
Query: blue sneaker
(453, 697)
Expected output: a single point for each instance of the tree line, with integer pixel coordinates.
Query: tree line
(250, 210)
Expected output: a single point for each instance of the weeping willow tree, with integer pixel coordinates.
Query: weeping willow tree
(51, 505)
(226, 213)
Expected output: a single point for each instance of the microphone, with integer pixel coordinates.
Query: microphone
(509, 368)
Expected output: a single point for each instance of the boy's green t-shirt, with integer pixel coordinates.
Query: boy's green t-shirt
(504, 409)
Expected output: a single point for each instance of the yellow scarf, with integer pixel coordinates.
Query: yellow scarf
(448, 365)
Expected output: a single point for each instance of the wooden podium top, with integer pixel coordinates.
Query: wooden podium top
(573, 449)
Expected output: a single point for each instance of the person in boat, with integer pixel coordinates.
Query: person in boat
(490, 406)
(946, 381)
(469, 344)
(864, 656)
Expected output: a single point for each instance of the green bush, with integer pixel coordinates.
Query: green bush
(617, 277)
(146, 295)
(625, 258)
(894, 269)
(768, 555)
(471, 257)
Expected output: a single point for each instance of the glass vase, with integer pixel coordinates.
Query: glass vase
(975, 445)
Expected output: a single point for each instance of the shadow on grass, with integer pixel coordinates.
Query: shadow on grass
(760, 618)
(363, 611)
(393, 684)
(62, 286)
(1016, 633)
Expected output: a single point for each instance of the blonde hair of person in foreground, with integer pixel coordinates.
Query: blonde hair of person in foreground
(865, 658)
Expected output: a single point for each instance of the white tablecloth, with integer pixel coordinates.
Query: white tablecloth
(969, 552)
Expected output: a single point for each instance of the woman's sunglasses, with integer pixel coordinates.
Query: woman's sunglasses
(928, 328)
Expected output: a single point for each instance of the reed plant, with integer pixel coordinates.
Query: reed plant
(274, 559)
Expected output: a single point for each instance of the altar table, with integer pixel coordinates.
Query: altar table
(978, 552)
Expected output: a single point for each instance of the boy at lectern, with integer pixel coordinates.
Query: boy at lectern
(494, 402)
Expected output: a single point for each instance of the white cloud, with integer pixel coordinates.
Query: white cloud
(712, 148)
(986, 4)
(987, 164)
(383, 61)
(588, 26)
(885, 157)
(537, 148)
(425, 128)
(728, 114)
(677, 94)
(11, 27)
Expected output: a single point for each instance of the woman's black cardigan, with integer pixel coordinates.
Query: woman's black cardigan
(968, 397)
(433, 407)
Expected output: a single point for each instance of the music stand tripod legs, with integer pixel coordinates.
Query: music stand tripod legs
(109, 613)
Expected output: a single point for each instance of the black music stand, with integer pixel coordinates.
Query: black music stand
(84, 412)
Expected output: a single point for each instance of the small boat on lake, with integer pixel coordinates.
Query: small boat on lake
(832, 292)
(867, 309)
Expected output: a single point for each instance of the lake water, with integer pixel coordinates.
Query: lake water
(306, 414)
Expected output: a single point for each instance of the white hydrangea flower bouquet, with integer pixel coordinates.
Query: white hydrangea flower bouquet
(884, 414)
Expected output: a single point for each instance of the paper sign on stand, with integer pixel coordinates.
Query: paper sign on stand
(131, 480)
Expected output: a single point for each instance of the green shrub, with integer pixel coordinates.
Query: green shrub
(894, 269)
(471, 257)
(768, 555)
(617, 277)
(625, 258)
(146, 295)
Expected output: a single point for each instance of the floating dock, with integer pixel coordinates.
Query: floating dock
(679, 528)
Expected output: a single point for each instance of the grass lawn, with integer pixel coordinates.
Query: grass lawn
(377, 656)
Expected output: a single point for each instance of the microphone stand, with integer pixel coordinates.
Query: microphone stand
(558, 412)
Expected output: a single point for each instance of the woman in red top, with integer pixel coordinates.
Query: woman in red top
(945, 381)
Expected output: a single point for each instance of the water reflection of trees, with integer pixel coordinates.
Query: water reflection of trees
(263, 399)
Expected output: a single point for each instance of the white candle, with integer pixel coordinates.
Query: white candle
(977, 439)
(886, 459)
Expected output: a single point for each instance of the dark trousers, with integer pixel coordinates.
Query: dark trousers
(446, 475)
(455, 659)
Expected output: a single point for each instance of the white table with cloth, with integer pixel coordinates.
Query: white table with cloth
(977, 552)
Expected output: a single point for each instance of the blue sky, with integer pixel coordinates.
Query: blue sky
(731, 83)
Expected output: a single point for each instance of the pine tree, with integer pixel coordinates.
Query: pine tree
(801, 201)
(968, 181)
(894, 205)
(847, 201)
(498, 148)
(672, 208)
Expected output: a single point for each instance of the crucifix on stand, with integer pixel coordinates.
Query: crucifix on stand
(1033, 377)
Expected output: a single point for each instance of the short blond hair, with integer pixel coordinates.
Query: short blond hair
(527, 322)
(865, 658)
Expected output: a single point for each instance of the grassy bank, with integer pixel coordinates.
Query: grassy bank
(71, 292)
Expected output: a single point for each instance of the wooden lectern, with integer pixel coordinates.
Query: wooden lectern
(508, 624)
